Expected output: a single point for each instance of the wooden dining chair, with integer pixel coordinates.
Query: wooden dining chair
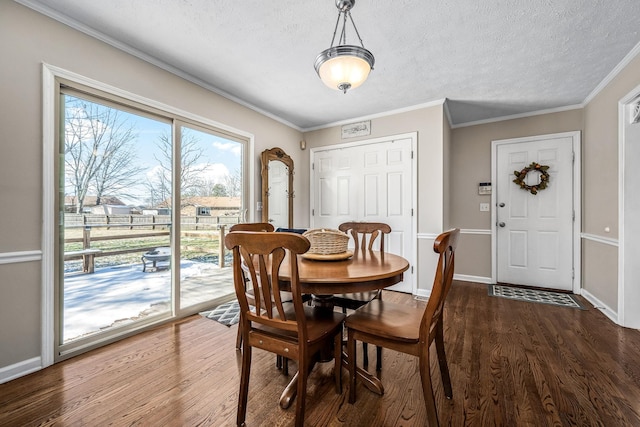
(251, 226)
(290, 329)
(364, 236)
(409, 329)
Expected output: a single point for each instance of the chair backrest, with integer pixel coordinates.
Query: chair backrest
(444, 245)
(260, 255)
(363, 231)
(252, 226)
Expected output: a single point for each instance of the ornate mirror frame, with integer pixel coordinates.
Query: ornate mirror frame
(276, 154)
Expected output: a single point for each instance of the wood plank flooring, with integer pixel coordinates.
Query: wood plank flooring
(512, 364)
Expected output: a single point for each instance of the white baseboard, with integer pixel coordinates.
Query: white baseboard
(422, 293)
(611, 314)
(468, 278)
(20, 369)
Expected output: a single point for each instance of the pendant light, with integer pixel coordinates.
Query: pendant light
(344, 66)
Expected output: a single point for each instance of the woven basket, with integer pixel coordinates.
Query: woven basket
(327, 242)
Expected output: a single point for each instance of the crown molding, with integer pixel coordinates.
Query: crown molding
(72, 23)
(377, 116)
(613, 74)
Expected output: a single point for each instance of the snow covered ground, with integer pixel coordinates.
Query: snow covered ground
(120, 294)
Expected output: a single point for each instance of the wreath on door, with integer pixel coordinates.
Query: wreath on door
(522, 174)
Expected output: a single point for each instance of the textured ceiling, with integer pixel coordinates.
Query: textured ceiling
(488, 58)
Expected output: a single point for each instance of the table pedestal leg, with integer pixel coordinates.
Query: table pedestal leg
(371, 382)
(289, 392)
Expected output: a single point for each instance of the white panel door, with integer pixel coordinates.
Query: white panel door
(369, 182)
(535, 232)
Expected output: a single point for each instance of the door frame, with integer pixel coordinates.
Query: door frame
(628, 288)
(414, 273)
(577, 223)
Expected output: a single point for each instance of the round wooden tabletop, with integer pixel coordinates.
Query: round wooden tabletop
(364, 271)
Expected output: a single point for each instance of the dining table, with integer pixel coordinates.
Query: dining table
(363, 270)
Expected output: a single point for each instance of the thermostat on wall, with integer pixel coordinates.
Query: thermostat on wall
(484, 188)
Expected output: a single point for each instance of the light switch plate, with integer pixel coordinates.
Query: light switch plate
(484, 207)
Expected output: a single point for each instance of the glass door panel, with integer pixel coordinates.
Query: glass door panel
(115, 210)
(210, 201)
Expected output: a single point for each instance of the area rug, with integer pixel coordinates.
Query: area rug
(228, 313)
(534, 295)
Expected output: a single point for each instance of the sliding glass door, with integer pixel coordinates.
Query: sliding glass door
(144, 200)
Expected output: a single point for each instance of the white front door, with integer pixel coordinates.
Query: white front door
(369, 181)
(534, 232)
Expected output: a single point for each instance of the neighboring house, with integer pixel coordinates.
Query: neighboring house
(111, 210)
(109, 205)
(156, 211)
(208, 206)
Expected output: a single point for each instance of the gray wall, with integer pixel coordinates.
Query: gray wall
(471, 164)
(600, 186)
(27, 39)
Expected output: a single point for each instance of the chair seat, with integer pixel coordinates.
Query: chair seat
(320, 324)
(388, 320)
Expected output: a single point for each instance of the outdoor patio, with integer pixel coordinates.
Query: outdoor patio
(116, 295)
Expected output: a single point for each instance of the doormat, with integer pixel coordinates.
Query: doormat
(534, 295)
(228, 313)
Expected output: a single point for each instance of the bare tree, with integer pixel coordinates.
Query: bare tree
(99, 151)
(191, 171)
(233, 182)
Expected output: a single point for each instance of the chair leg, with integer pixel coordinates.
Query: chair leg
(337, 357)
(427, 389)
(378, 348)
(365, 355)
(244, 385)
(239, 338)
(351, 354)
(442, 361)
(303, 373)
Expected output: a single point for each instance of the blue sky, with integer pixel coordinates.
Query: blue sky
(221, 156)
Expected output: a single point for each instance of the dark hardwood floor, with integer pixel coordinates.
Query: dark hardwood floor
(512, 364)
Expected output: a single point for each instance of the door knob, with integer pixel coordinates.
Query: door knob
(501, 205)
(501, 224)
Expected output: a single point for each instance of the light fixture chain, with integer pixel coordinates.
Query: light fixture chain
(343, 35)
(356, 28)
(335, 30)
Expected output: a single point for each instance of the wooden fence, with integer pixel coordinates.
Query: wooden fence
(159, 224)
(203, 222)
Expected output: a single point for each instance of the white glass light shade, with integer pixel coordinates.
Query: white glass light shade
(344, 67)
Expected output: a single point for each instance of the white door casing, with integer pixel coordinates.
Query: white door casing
(369, 181)
(534, 236)
(628, 211)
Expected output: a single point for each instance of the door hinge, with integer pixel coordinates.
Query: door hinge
(573, 216)
(573, 156)
(412, 154)
(411, 211)
(313, 212)
(313, 166)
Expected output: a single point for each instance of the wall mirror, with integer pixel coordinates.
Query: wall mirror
(277, 188)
